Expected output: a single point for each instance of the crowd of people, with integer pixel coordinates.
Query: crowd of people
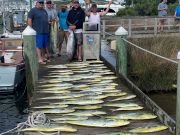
(69, 18)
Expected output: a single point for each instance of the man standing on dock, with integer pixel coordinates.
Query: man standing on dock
(75, 20)
(38, 20)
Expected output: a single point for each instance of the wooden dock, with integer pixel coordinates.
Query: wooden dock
(44, 72)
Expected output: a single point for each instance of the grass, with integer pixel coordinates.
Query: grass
(150, 72)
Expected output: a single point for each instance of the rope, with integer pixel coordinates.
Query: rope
(37, 119)
(167, 59)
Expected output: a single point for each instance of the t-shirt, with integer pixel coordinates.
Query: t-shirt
(177, 10)
(39, 20)
(162, 6)
(63, 19)
(51, 14)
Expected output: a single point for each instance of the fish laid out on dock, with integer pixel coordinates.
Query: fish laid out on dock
(100, 123)
(69, 118)
(50, 106)
(133, 116)
(80, 102)
(50, 129)
(149, 129)
(57, 111)
(117, 133)
(88, 107)
(124, 98)
(87, 113)
(131, 108)
(87, 94)
(121, 105)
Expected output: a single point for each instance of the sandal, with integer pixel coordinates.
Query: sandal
(42, 62)
(79, 60)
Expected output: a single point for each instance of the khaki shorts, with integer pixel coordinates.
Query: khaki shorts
(62, 35)
(78, 38)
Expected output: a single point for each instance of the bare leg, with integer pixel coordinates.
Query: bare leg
(40, 58)
(79, 53)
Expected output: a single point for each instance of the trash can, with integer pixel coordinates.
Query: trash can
(91, 41)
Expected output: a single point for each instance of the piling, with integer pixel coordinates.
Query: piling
(121, 60)
(31, 63)
(178, 98)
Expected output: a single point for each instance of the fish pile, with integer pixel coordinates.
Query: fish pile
(85, 94)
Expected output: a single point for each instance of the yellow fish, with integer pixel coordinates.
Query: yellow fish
(88, 107)
(50, 129)
(149, 129)
(124, 98)
(133, 116)
(131, 108)
(100, 123)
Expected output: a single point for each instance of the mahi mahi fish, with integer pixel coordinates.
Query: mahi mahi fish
(57, 111)
(54, 92)
(117, 133)
(100, 123)
(50, 106)
(58, 88)
(63, 96)
(87, 113)
(81, 102)
(55, 85)
(124, 98)
(88, 107)
(131, 108)
(50, 129)
(94, 62)
(133, 116)
(149, 129)
(69, 118)
(121, 105)
(57, 66)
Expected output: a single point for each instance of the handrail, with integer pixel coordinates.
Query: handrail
(147, 51)
(143, 23)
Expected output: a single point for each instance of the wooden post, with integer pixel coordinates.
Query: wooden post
(155, 26)
(31, 64)
(104, 29)
(130, 28)
(168, 22)
(145, 24)
(178, 98)
(121, 57)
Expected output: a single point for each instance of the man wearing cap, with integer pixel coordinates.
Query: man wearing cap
(63, 27)
(75, 20)
(38, 20)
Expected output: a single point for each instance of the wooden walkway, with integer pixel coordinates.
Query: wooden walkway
(44, 72)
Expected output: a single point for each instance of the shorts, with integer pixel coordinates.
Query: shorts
(78, 38)
(62, 34)
(41, 40)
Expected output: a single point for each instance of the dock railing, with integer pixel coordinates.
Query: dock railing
(125, 47)
(140, 25)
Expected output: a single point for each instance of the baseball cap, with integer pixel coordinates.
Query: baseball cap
(76, 1)
(48, 1)
(39, 0)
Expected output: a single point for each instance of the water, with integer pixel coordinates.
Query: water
(10, 116)
(167, 101)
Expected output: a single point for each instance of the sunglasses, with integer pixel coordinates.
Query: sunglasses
(41, 2)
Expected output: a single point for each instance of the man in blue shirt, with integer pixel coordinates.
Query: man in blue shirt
(177, 13)
(38, 20)
(63, 27)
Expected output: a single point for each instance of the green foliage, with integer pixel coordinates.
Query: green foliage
(141, 7)
(171, 8)
(145, 8)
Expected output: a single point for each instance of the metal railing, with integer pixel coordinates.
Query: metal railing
(140, 25)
